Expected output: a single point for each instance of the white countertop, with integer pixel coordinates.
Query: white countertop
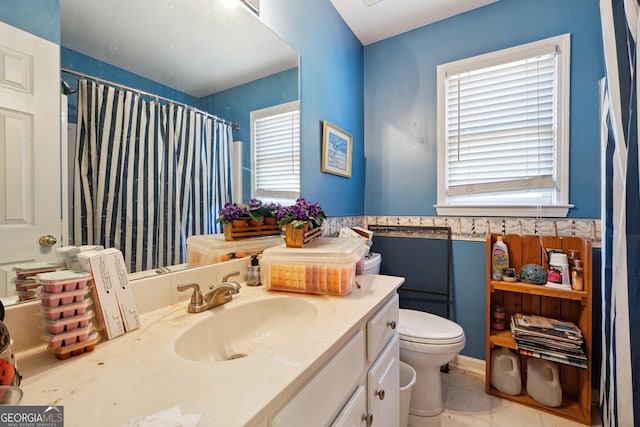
(139, 373)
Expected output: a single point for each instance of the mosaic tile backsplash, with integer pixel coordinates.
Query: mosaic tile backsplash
(467, 228)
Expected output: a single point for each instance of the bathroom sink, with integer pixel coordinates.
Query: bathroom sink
(235, 331)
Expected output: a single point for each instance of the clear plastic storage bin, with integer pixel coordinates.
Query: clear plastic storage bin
(213, 248)
(323, 266)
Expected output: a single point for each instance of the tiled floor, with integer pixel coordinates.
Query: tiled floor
(466, 404)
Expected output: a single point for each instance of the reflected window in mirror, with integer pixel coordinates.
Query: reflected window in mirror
(275, 153)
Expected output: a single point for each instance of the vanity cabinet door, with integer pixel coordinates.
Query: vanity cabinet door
(383, 384)
(354, 413)
(381, 327)
(321, 399)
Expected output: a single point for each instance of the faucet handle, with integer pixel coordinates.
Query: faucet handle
(233, 273)
(196, 296)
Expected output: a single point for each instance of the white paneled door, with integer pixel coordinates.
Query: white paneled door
(29, 151)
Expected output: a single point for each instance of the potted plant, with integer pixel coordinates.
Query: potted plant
(269, 211)
(260, 212)
(256, 217)
(231, 213)
(299, 220)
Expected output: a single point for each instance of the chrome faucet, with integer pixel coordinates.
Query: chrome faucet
(218, 295)
(225, 279)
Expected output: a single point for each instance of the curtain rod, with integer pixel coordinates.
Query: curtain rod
(235, 125)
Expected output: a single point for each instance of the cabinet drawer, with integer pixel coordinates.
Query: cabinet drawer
(381, 327)
(321, 399)
(354, 412)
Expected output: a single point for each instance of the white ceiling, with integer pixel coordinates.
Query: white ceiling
(197, 47)
(387, 18)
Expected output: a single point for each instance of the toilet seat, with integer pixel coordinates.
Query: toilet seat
(426, 328)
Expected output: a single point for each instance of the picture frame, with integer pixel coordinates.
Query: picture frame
(337, 147)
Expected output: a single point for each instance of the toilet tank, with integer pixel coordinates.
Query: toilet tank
(372, 264)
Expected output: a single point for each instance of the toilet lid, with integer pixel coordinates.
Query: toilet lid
(420, 327)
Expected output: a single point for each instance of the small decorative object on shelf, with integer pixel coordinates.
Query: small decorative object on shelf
(498, 316)
(248, 220)
(303, 222)
(534, 274)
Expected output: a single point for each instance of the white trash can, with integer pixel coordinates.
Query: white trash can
(407, 380)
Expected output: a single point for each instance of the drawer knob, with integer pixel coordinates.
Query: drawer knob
(380, 394)
(391, 324)
(368, 418)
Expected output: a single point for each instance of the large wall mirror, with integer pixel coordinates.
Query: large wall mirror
(214, 55)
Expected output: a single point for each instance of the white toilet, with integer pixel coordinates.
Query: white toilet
(427, 342)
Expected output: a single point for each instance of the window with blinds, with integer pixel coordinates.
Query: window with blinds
(275, 142)
(502, 128)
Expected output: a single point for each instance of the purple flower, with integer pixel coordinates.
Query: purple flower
(231, 211)
(300, 214)
(254, 204)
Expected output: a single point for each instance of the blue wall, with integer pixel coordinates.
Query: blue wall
(400, 122)
(400, 98)
(331, 88)
(236, 104)
(39, 17)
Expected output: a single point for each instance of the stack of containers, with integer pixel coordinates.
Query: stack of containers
(213, 248)
(25, 279)
(324, 266)
(66, 313)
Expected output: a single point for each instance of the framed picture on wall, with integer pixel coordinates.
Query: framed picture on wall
(336, 150)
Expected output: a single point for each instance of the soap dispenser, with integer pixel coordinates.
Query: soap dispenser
(253, 275)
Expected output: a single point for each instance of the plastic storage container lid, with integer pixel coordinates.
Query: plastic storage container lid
(427, 328)
(320, 250)
(63, 276)
(216, 241)
(35, 266)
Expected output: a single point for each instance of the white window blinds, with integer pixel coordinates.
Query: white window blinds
(500, 126)
(276, 152)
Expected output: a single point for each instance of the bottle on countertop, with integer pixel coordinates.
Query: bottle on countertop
(499, 258)
(253, 274)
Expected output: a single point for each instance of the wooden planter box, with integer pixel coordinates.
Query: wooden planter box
(235, 233)
(298, 237)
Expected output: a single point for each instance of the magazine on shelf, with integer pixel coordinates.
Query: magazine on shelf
(524, 324)
(576, 350)
(578, 354)
(546, 323)
(553, 358)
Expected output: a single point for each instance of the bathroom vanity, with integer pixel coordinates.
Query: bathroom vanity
(254, 366)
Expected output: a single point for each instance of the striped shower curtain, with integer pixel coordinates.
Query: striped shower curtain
(620, 369)
(147, 176)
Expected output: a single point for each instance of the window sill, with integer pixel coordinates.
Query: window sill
(556, 211)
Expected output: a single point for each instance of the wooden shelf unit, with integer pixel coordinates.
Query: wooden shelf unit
(518, 297)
